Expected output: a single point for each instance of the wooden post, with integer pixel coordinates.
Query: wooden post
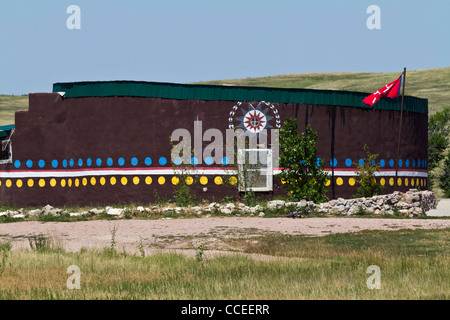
(401, 120)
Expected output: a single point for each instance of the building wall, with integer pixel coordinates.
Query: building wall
(56, 137)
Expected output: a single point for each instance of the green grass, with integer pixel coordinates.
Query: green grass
(413, 264)
(9, 105)
(431, 84)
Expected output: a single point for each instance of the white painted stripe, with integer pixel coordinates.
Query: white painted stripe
(159, 171)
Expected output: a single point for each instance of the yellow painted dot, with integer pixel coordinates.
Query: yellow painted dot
(406, 182)
(424, 182)
(113, 181)
(8, 183)
(0, 183)
(233, 181)
(203, 180)
(339, 181)
(391, 182)
(399, 182)
(136, 180)
(382, 181)
(328, 183)
(84, 182)
(102, 181)
(283, 181)
(69, 182)
(30, 182)
(218, 180)
(63, 182)
(175, 180)
(417, 182)
(93, 181)
(19, 183)
(41, 183)
(148, 180)
(351, 181)
(52, 182)
(189, 180)
(77, 182)
(161, 180)
(124, 181)
(412, 182)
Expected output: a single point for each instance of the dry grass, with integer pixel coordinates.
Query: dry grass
(331, 267)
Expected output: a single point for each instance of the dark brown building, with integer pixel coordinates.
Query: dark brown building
(91, 143)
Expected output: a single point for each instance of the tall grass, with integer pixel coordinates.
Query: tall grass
(337, 270)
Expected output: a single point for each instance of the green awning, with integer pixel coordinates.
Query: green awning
(232, 93)
(5, 130)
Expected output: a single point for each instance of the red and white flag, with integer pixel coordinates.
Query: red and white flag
(390, 90)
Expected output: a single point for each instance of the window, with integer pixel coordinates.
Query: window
(255, 169)
(6, 149)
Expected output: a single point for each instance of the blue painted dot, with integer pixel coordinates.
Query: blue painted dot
(333, 163)
(17, 164)
(41, 163)
(425, 163)
(407, 163)
(121, 161)
(80, 162)
(134, 161)
(194, 161)
(109, 162)
(418, 163)
(98, 162)
(382, 163)
(148, 161)
(361, 162)
(55, 163)
(414, 163)
(302, 162)
(29, 163)
(162, 161)
(225, 161)
(372, 163)
(319, 162)
(209, 161)
(348, 162)
(71, 162)
(177, 161)
(88, 162)
(64, 163)
(400, 163)
(391, 162)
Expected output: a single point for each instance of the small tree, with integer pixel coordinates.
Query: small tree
(444, 179)
(368, 185)
(302, 172)
(438, 132)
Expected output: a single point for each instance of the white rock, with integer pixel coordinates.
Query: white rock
(74, 214)
(115, 212)
(262, 214)
(225, 211)
(18, 216)
(275, 204)
(140, 209)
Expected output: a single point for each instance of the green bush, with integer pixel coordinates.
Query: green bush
(444, 179)
(302, 172)
(368, 185)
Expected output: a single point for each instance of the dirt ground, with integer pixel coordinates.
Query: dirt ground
(185, 235)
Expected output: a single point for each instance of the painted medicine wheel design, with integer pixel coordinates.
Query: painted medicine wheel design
(254, 119)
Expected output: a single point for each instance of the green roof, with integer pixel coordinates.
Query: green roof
(232, 93)
(5, 130)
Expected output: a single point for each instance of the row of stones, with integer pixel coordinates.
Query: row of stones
(412, 203)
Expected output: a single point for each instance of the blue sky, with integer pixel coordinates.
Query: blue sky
(197, 40)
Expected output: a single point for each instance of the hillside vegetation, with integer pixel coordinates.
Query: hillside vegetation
(431, 84)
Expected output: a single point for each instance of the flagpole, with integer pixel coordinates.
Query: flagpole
(401, 120)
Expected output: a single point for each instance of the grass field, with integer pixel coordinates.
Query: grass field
(432, 84)
(413, 265)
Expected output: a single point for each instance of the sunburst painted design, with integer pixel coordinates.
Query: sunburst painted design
(255, 121)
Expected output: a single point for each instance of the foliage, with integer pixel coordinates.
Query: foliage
(368, 185)
(5, 248)
(438, 133)
(39, 243)
(302, 172)
(444, 179)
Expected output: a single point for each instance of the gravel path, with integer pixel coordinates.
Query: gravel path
(183, 234)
